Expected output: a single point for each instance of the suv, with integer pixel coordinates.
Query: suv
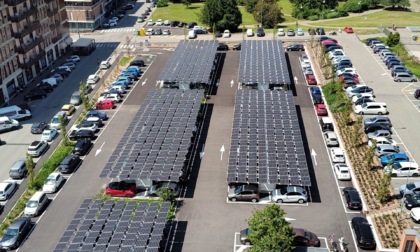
(352, 198)
(363, 232)
(402, 76)
(69, 164)
(376, 126)
(378, 119)
(326, 124)
(18, 170)
(37, 148)
(244, 192)
(260, 32)
(81, 134)
(290, 194)
(331, 139)
(82, 146)
(16, 233)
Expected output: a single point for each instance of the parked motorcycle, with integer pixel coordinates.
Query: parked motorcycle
(332, 33)
(333, 243)
(343, 244)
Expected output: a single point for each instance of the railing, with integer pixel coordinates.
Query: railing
(23, 49)
(32, 11)
(32, 60)
(27, 30)
(14, 2)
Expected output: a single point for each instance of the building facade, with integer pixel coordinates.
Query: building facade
(34, 33)
(86, 16)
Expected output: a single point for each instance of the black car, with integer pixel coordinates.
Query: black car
(39, 127)
(352, 197)
(96, 113)
(35, 94)
(417, 93)
(412, 201)
(223, 47)
(362, 100)
(174, 23)
(139, 61)
(311, 31)
(127, 7)
(62, 72)
(69, 164)
(332, 47)
(393, 63)
(376, 126)
(181, 24)
(191, 25)
(295, 47)
(368, 40)
(363, 233)
(45, 87)
(16, 233)
(260, 32)
(82, 147)
(237, 47)
(322, 38)
(81, 134)
(316, 95)
(348, 82)
(320, 31)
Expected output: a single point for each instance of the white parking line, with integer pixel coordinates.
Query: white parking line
(354, 238)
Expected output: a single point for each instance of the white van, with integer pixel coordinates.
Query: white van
(36, 204)
(15, 112)
(50, 81)
(104, 65)
(371, 108)
(191, 34)
(7, 124)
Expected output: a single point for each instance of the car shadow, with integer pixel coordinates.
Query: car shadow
(176, 237)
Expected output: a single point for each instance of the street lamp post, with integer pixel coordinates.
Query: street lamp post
(323, 3)
(77, 20)
(406, 182)
(360, 7)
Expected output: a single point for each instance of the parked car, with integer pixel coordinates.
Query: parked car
(156, 189)
(379, 133)
(409, 189)
(53, 182)
(191, 25)
(348, 29)
(300, 32)
(290, 32)
(385, 149)
(280, 32)
(45, 87)
(337, 155)
(128, 7)
(342, 171)
(121, 189)
(363, 233)
(226, 34)
(311, 31)
(49, 134)
(249, 33)
(404, 169)
(105, 104)
(358, 89)
(69, 164)
(316, 95)
(372, 127)
(7, 189)
(371, 108)
(378, 119)
(96, 113)
(81, 134)
(415, 215)
(394, 157)
(331, 139)
(352, 198)
(39, 127)
(412, 201)
(82, 147)
(362, 100)
(16, 233)
(92, 79)
(18, 170)
(295, 47)
(305, 238)
(35, 94)
(244, 192)
(223, 47)
(36, 204)
(73, 58)
(321, 110)
(382, 140)
(37, 148)
(260, 32)
(404, 76)
(320, 31)
(326, 124)
(310, 79)
(289, 194)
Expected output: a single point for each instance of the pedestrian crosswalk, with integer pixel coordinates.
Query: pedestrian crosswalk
(131, 47)
(119, 30)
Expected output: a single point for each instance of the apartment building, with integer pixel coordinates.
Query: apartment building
(34, 33)
(86, 16)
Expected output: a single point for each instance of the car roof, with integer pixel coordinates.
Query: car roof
(337, 150)
(54, 175)
(18, 222)
(19, 162)
(326, 119)
(4, 184)
(409, 164)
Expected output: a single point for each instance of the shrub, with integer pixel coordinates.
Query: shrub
(332, 15)
(313, 18)
(162, 3)
(354, 6)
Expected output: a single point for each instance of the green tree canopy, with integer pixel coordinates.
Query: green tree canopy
(221, 14)
(270, 230)
(250, 5)
(268, 13)
(393, 3)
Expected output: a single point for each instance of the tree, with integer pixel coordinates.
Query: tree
(63, 131)
(393, 3)
(30, 167)
(268, 13)
(83, 95)
(382, 191)
(187, 3)
(270, 230)
(250, 5)
(221, 14)
(393, 39)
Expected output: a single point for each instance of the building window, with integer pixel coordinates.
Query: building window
(409, 246)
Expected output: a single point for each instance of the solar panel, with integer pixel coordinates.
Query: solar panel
(258, 154)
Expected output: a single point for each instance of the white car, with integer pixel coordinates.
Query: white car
(226, 34)
(415, 214)
(166, 32)
(70, 64)
(167, 22)
(337, 155)
(53, 182)
(358, 96)
(68, 69)
(37, 148)
(73, 58)
(57, 77)
(331, 139)
(120, 89)
(342, 171)
(346, 70)
(7, 188)
(150, 32)
(110, 96)
(336, 53)
(304, 61)
(159, 22)
(300, 32)
(92, 79)
(150, 22)
(49, 135)
(85, 125)
(382, 140)
(249, 33)
(280, 32)
(404, 169)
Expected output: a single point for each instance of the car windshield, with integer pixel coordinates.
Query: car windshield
(55, 120)
(12, 232)
(397, 166)
(308, 235)
(50, 181)
(47, 133)
(410, 186)
(364, 105)
(32, 203)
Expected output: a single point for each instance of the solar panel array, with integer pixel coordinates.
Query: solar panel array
(263, 62)
(191, 62)
(110, 226)
(157, 143)
(266, 145)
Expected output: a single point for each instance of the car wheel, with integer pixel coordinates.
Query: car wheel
(42, 97)
(233, 199)
(398, 80)
(301, 50)
(28, 99)
(415, 175)
(254, 200)
(247, 243)
(279, 201)
(380, 113)
(301, 201)
(393, 175)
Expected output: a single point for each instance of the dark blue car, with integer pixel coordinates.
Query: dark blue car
(96, 113)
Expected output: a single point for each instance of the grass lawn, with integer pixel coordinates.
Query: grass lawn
(286, 6)
(178, 12)
(247, 18)
(381, 18)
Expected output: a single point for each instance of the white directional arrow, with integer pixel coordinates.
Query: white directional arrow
(384, 74)
(99, 150)
(295, 80)
(231, 83)
(221, 152)
(289, 219)
(313, 154)
(144, 82)
(202, 152)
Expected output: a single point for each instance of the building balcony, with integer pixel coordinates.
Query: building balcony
(29, 62)
(20, 16)
(52, 11)
(14, 2)
(23, 49)
(27, 29)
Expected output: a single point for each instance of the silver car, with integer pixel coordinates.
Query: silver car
(289, 194)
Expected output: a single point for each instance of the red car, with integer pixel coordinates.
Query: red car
(121, 189)
(105, 104)
(348, 29)
(344, 75)
(321, 110)
(310, 79)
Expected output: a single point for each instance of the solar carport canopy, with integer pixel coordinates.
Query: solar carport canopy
(266, 145)
(191, 62)
(263, 62)
(157, 143)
